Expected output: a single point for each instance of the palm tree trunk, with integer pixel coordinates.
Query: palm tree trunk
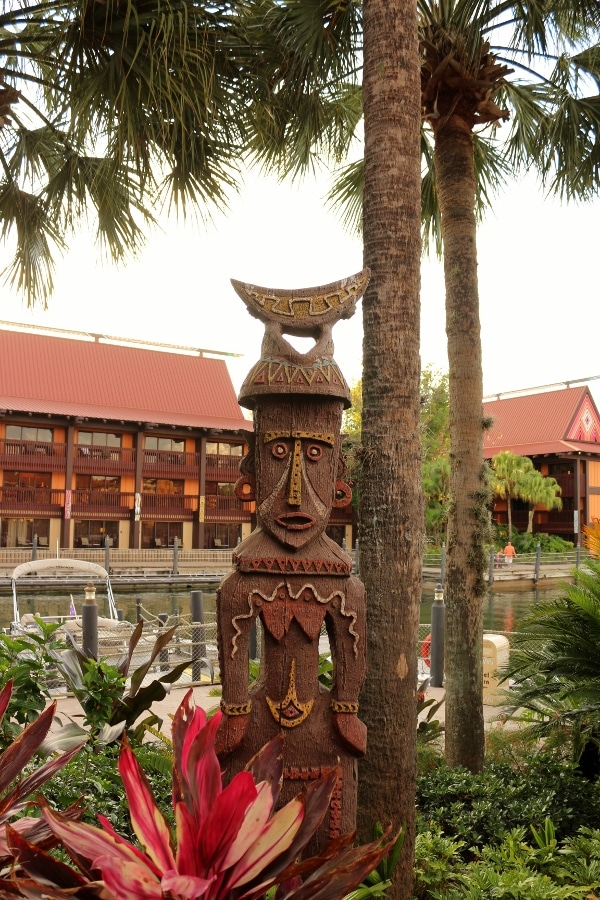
(391, 508)
(468, 520)
(509, 515)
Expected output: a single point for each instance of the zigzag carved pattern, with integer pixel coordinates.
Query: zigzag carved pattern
(290, 565)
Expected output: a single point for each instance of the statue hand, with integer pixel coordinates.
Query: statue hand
(352, 732)
(230, 734)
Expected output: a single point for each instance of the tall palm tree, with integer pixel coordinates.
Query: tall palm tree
(505, 85)
(509, 476)
(107, 110)
(391, 506)
(540, 490)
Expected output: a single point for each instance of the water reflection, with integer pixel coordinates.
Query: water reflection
(502, 609)
(501, 612)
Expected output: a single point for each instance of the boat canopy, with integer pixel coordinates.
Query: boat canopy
(39, 566)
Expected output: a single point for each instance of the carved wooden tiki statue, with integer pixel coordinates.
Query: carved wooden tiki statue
(288, 573)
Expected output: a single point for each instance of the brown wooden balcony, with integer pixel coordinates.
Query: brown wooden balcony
(169, 507)
(27, 502)
(100, 505)
(170, 464)
(103, 460)
(226, 509)
(222, 468)
(32, 456)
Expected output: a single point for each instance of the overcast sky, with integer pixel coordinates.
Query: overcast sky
(539, 288)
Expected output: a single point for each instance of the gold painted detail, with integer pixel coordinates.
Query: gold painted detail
(289, 712)
(295, 490)
(236, 709)
(323, 437)
(344, 706)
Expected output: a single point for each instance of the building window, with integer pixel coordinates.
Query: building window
(161, 535)
(103, 484)
(28, 433)
(219, 536)
(93, 533)
(220, 488)
(162, 486)
(154, 442)
(561, 468)
(98, 439)
(224, 449)
(20, 532)
(27, 479)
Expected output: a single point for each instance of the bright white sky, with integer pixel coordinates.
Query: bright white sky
(539, 288)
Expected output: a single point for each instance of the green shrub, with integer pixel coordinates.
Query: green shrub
(93, 776)
(482, 809)
(516, 869)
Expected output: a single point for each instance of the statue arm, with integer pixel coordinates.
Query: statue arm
(348, 649)
(234, 623)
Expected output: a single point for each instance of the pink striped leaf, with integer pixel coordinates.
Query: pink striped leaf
(277, 835)
(255, 819)
(147, 820)
(91, 843)
(128, 880)
(229, 813)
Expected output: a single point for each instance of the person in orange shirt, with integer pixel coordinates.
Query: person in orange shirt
(509, 553)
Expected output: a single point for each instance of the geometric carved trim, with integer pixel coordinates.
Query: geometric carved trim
(304, 773)
(586, 425)
(290, 565)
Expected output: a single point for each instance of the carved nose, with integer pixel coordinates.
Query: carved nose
(295, 485)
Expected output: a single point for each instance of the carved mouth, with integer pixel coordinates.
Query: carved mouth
(295, 521)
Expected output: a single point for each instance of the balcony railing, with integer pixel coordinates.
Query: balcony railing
(104, 460)
(170, 464)
(177, 507)
(226, 509)
(32, 456)
(31, 502)
(100, 504)
(222, 468)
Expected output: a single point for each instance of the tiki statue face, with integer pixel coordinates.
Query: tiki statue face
(296, 459)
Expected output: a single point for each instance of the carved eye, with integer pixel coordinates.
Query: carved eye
(314, 452)
(279, 450)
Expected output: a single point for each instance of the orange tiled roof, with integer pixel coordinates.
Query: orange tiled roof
(563, 421)
(62, 376)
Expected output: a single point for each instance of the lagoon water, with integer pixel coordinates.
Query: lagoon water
(502, 609)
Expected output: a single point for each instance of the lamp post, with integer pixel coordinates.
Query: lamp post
(438, 615)
(89, 622)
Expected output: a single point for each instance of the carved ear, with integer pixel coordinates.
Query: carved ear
(343, 494)
(245, 488)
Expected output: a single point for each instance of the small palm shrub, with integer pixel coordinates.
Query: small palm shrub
(554, 665)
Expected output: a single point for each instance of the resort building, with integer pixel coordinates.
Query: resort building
(559, 430)
(108, 439)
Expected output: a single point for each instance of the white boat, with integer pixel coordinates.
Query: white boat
(60, 565)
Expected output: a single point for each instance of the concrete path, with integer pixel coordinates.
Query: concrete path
(69, 707)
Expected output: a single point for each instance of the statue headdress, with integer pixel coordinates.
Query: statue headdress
(307, 312)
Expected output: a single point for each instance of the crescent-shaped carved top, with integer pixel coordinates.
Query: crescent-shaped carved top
(304, 309)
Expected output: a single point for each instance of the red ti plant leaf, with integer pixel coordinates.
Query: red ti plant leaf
(229, 843)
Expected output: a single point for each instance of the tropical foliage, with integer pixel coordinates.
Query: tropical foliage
(515, 477)
(554, 665)
(108, 111)
(229, 842)
(112, 697)
(17, 783)
(26, 661)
